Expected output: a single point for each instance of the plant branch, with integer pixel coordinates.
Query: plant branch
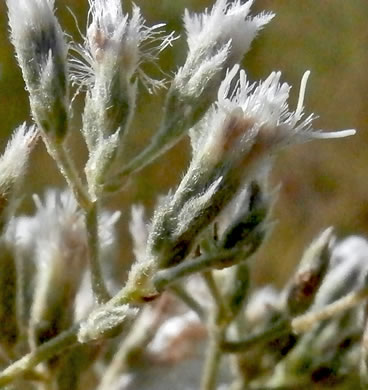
(306, 321)
(68, 170)
(300, 324)
(57, 344)
(42, 353)
(221, 259)
(217, 328)
(98, 285)
(213, 359)
(188, 299)
(281, 327)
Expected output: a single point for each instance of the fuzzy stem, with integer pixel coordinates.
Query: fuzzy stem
(98, 285)
(55, 345)
(183, 295)
(305, 322)
(224, 258)
(300, 324)
(68, 170)
(42, 353)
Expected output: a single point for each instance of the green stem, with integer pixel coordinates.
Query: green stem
(213, 359)
(216, 295)
(217, 329)
(67, 168)
(221, 259)
(129, 294)
(70, 173)
(280, 328)
(306, 321)
(42, 353)
(132, 349)
(98, 285)
(181, 293)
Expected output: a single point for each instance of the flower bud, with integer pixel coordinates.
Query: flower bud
(55, 239)
(61, 251)
(347, 271)
(310, 273)
(108, 65)
(13, 164)
(41, 52)
(246, 227)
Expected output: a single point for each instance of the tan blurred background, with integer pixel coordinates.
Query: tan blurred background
(323, 183)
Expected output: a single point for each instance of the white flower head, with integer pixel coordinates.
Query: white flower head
(58, 226)
(226, 21)
(118, 44)
(255, 120)
(217, 39)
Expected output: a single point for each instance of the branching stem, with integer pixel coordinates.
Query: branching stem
(70, 173)
(98, 285)
(188, 299)
(42, 353)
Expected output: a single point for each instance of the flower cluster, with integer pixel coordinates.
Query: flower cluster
(191, 281)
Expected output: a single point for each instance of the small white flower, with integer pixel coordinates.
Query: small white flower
(54, 240)
(217, 40)
(225, 22)
(230, 146)
(254, 120)
(58, 224)
(116, 45)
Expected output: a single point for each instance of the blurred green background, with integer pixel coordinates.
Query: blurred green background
(323, 183)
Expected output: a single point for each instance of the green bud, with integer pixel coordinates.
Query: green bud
(310, 273)
(42, 55)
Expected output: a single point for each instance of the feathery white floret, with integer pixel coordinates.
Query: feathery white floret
(59, 223)
(256, 114)
(217, 39)
(119, 42)
(226, 21)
